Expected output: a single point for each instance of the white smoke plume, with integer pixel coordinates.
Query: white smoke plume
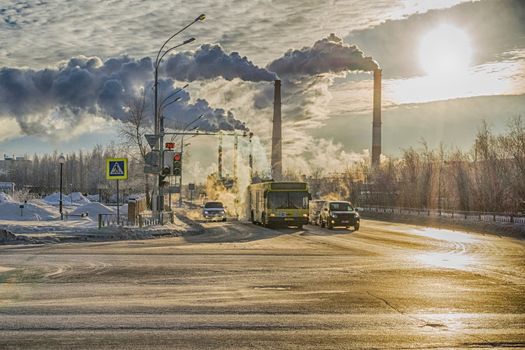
(328, 55)
(210, 62)
(87, 86)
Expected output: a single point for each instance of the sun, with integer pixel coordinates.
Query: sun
(445, 50)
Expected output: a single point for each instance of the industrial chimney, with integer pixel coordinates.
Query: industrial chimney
(277, 155)
(376, 125)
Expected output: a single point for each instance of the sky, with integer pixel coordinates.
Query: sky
(68, 68)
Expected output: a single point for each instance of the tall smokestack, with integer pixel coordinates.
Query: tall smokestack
(376, 125)
(277, 155)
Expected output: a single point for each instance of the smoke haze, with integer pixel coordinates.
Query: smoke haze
(328, 55)
(87, 86)
(210, 62)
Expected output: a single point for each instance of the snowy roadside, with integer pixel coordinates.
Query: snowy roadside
(86, 229)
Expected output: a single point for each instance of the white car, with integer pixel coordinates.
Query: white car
(214, 211)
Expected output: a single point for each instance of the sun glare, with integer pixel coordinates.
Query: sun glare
(445, 50)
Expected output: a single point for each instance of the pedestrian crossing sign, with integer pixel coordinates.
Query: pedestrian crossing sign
(117, 168)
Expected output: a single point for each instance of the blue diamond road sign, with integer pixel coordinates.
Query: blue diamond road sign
(117, 168)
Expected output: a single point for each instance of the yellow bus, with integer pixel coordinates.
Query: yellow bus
(279, 203)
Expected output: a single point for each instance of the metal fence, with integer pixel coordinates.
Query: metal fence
(449, 214)
(142, 220)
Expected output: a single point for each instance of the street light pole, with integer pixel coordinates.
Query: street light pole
(61, 161)
(158, 123)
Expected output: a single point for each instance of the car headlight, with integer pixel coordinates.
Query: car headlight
(205, 212)
(272, 215)
(334, 216)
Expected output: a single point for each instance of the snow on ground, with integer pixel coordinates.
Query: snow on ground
(123, 209)
(92, 209)
(5, 198)
(74, 198)
(93, 197)
(76, 228)
(31, 211)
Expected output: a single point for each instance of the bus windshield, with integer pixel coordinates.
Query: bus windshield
(288, 200)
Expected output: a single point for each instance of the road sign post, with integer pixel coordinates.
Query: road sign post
(117, 169)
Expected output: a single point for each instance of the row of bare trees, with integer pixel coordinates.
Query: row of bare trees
(489, 177)
(83, 171)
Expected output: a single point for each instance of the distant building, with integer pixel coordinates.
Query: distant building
(6, 164)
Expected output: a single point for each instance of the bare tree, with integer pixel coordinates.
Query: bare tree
(133, 129)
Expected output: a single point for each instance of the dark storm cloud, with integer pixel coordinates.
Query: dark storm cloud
(210, 62)
(82, 84)
(88, 85)
(494, 27)
(328, 55)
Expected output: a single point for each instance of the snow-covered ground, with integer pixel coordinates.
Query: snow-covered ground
(34, 210)
(71, 199)
(39, 220)
(92, 210)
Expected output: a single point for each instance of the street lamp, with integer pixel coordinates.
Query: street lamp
(61, 161)
(171, 95)
(158, 126)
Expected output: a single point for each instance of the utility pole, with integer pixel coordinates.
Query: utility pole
(159, 120)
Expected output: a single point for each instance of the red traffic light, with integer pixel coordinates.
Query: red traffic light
(177, 157)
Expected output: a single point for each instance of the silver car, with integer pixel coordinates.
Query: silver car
(214, 211)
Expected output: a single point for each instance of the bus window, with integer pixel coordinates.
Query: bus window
(298, 200)
(287, 200)
(277, 200)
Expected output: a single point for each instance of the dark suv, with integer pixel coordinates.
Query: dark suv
(339, 213)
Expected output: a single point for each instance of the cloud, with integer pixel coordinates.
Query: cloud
(9, 129)
(185, 111)
(87, 86)
(57, 30)
(494, 27)
(81, 85)
(210, 62)
(328, 55)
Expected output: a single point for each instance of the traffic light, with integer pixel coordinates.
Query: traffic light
(177, 164)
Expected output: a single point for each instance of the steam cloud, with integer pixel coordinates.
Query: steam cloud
(87, 85)
(328, 55)
(210, 61)
(183, 112)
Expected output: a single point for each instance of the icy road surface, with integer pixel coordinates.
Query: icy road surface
(239, 286)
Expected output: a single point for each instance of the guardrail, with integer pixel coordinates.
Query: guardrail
(112, 220)
(449, 214)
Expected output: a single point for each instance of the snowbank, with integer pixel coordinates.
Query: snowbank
(74, 198)
(123, 209)
(93, 197)
(92, 209)
(31, 211)
(5, 198)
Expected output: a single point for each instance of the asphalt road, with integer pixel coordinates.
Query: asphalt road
(239, 286)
